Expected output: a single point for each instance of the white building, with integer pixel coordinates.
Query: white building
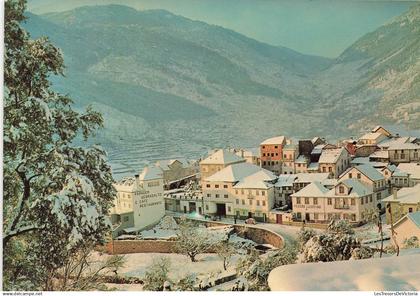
(139, 201)
(241, 189)
(349, 199)
(413, 171)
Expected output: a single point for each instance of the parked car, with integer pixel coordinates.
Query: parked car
(250, 221)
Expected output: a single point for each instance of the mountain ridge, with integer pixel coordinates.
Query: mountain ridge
(181, 79)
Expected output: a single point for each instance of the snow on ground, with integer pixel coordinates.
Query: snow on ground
(136, 264)
(125, 287)
(383, 274)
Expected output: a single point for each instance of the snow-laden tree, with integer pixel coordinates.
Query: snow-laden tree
(412, 242)
(338, 242)
(255, 268)
(56, 194)
(193, 240)
(225, 251)
(157, 274)
(187, 283)
(304, 235)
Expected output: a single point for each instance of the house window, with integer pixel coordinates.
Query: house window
(242, 191)
(257, 192)
(306, 200)
(217, 196)
(341, 189)
(315, 216)
(208, 185)
(263, 193)
(237, 201)
(226, 196)
(330, 169)
(410, 210)
(216, 186)
(250, 202)
(329, 201)
(207, 207)
(378, 196)
(208, 195)
(352, 201)
(225, 186)
(324, 169)
(264, 163)
(350, 175)
(236, 192)
(371, 199)
(298, 200)
(276, 147)
(258, 203)
(315, 201)
(229, 209)
(243, 202)
(359, 176)
(126, 218)
(353, 217)
(361, 201)
(263, 203)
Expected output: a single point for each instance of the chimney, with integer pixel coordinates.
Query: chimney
(394, 193)
(137, 181)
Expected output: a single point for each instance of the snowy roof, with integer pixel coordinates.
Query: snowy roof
(357, 188)
(314, 139)
(370, 172)
(371, 136)
(301, 159)
(409, 146)
(399, 173)
(410, 168)
(125, 184)
(330, 155)
(285, 180)
(310, 177)
(275, 140)
(313, 166)
(376, 128)
(151, 173)
(222, 156)
(237, 172)
(257, 180)
(396, 273)
(318, 149)
(380, 154)
(414, 217)
(164, 164)
(329, 182)
(360, 160)
(406, 195)
(313, 189)
(245, 152)
(393, 141)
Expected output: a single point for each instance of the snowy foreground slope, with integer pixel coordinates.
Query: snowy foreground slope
(391, 274)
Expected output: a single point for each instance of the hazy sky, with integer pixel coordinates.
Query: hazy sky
(320, 27)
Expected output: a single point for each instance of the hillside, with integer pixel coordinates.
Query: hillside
(171, 86)
(377, 78)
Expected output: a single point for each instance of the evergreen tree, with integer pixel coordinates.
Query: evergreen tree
(56, 194)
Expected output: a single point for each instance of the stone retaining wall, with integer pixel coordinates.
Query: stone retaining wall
(258, 235)
(140, 246)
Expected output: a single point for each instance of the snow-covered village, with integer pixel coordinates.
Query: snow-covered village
(211, 146)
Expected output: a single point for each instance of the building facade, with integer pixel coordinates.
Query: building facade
(142, 196)
(217, 161)
(271, 154)
(350, 199)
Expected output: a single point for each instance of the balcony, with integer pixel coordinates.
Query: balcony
(341, 207)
